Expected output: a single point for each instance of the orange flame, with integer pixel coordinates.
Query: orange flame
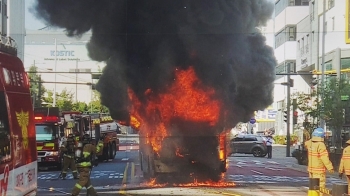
(187, 99)
(195, 183)
(177, 153)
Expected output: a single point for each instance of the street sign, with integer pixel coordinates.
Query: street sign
(252, 120)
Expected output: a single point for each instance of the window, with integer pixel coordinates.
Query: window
(282, 4)
(5, 9)
(238, 139)
(44, 132)
(307, 44)
(250, 139)
(312, 11)
(330, 4)
(287, 34)
(333, 23)
(5, 147)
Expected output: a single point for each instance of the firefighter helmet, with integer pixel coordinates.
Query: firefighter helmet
(70, 136)
(318, 132)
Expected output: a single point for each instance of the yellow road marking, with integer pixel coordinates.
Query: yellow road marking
(132, 171)
(222, 193)
(125, 177)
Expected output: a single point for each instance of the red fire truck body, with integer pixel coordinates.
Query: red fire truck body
(47, 127)
(105, 129)
(18, 158)
(100, 128)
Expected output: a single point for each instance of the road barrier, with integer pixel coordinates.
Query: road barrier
(315, 189)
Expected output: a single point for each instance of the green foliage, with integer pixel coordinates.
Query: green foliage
(64, 100)
(95, 105)
(35, 83)
(310, 104)
(80, 106)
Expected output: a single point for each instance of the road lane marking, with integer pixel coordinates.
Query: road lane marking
(125, 174)
(256, 172)
(274, 169)
(132, 171)
(122, 190)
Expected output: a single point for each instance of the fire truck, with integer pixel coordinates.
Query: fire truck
(184, 157)
(18, 157)
(99, 127)
(104, 128)
(47, 128)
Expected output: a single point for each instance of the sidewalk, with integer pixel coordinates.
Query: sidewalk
(279, 154)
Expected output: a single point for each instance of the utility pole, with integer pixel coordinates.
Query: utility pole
(54, 91)
(288, 111)
(76, 81)
(39, 91)
(322, 121)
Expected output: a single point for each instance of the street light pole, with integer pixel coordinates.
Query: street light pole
(76, 81)
(54, 91)
(322, 121)
(288, 112)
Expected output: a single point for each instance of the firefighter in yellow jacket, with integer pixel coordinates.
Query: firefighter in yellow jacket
(318, 159)
(84, 165)
(68, 149)
(344, 167)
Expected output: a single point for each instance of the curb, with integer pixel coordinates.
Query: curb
(303, 168)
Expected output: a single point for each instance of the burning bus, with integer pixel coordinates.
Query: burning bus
(181, 72)
(181, 132)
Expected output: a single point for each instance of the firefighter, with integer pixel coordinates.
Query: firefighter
(68, 150)
(84, 165)
(318, 159)
(344, 166)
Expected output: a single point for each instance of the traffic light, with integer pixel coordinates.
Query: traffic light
(295, 117)
(285, 115)
(295, 112)
(291, 82)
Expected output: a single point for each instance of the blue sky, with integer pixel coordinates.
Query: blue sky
(31, 22)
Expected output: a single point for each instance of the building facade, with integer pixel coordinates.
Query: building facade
(306, 34)
(62, 62)
(12, 22)
(288, 14)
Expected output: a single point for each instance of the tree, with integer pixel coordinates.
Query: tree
(333, 110)
(64, 100)
(80, 106)
(37, 90)
(95, 105)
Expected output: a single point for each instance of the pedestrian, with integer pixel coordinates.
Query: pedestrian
(344, 166)
(318, 159)
(68, 149)
(269, 142)
(84, 165)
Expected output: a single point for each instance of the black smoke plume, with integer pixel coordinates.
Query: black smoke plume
(143, 41)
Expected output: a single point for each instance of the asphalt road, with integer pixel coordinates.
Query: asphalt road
(252, 176)
(106, 176)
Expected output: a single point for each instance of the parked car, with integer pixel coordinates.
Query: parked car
(249, 144)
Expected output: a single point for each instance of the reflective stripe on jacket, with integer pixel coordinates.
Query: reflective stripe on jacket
(344, 166)
(317, 156)
(88, 151)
